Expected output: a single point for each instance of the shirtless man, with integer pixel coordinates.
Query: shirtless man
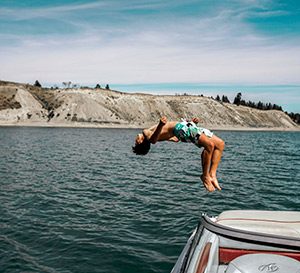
(186, 131)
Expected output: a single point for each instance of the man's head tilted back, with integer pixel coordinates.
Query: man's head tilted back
(142, 145)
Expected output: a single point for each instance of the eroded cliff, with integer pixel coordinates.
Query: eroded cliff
(25, 104)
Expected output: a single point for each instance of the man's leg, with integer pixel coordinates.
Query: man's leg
(215, 160)
(206, 156)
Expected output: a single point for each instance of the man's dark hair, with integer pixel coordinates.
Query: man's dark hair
(143, 148)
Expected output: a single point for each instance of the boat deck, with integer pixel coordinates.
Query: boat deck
(246, 239)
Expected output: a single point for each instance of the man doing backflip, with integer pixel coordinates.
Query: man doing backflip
(186, 131)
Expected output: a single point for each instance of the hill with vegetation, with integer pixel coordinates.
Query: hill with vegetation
(24, 104)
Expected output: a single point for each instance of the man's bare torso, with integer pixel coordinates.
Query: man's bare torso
(167, 131)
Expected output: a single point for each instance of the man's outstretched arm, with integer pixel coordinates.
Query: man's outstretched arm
(154, 137)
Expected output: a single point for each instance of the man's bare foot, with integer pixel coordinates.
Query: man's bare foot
(207, 182)
(215, 182)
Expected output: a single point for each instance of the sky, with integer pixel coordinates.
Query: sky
(205, 47)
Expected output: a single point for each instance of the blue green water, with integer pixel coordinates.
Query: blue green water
(78, 200)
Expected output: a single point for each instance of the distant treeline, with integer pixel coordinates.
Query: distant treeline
(259, 105)
(69, 84)
(294, 116)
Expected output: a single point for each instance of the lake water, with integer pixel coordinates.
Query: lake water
(78, 200)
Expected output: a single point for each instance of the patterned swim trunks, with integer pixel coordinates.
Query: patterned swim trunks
(188, 131)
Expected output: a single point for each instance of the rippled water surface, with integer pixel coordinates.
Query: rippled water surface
(78, 200)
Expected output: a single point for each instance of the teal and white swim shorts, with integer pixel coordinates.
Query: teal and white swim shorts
(188, 131)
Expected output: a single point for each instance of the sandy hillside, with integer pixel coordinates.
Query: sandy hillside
(17, 105)
(24, 104)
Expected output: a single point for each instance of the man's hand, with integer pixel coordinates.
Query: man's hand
(195, 120)
(163, 120)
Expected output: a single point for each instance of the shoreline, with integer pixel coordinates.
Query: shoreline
(137, 126)
(89, 108)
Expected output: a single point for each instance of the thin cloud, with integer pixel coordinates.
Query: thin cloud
(49, 12)
(217, 46)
